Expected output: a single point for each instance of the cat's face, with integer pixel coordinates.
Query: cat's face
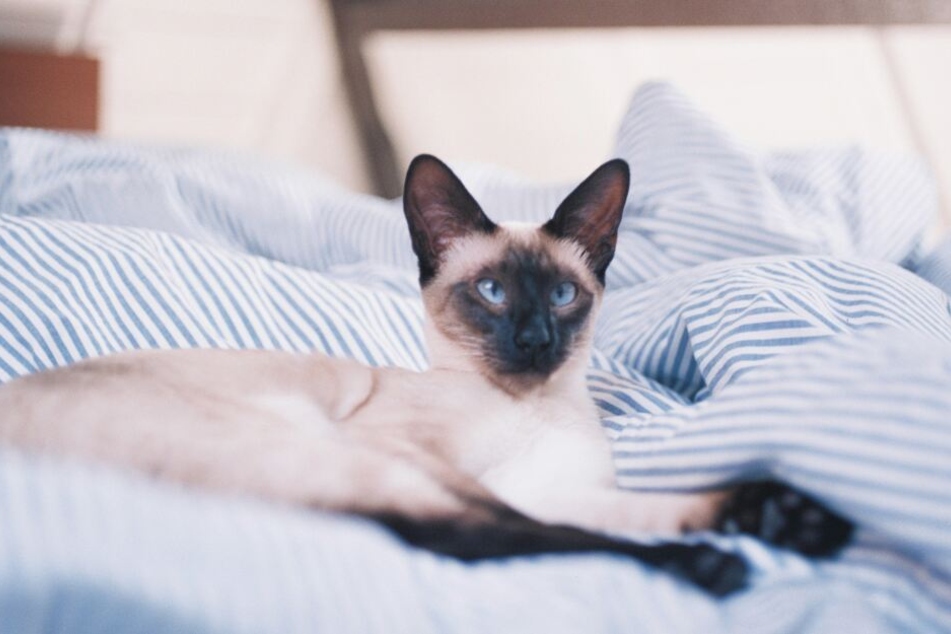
(515, 302)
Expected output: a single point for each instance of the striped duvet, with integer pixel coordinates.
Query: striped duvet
(767, 314)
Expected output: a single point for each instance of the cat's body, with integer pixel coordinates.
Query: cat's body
(307, 429)
(501, 420)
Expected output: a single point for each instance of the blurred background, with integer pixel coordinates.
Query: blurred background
(264, 76)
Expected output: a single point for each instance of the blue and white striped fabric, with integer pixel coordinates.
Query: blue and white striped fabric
(761, 319)
(936, 268)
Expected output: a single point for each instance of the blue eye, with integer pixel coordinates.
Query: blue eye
(491, 290)
(564, 294)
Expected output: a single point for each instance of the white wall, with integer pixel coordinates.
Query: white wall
(261, 76)
(548, 104)
(255, 75)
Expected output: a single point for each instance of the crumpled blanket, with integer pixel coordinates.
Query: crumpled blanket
(763, 319)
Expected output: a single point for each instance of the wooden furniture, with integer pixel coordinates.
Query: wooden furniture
(355, 19)
(47, 90)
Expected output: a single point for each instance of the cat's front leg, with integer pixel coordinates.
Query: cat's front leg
(619, 511)
(771, 511)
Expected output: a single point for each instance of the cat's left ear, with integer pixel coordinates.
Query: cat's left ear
(439, 210)
(591, 214)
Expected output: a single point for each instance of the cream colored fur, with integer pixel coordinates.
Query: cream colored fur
(331, 433)
(334, 434)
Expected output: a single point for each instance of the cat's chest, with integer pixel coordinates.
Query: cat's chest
(510, 430)
(521, 449)
(533, 456)
(510, 445)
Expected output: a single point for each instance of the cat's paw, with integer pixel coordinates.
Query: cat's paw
(784, 517)
(719, 573)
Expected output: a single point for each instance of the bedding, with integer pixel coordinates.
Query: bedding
(763, 318)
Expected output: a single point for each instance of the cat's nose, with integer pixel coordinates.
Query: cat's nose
(535, 337)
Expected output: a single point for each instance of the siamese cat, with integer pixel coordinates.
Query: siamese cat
(494, 451)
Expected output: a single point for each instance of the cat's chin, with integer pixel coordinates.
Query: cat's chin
(536, 370)
(523, 383)
(565, 376)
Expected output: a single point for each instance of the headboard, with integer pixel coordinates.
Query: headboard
(355, 19)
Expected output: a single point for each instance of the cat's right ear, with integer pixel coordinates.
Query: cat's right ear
(439, 210)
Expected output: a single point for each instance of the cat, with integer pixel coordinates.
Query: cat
(495, 450)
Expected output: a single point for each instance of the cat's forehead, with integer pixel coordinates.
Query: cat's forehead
(513, 247)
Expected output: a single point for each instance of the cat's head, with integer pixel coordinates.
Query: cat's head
(514, 302)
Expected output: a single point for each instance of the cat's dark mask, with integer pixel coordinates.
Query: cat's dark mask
(515, 299)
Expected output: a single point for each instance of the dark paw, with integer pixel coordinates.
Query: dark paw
(715, 571)
(784, 517)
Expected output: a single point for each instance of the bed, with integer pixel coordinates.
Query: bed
(767, 315)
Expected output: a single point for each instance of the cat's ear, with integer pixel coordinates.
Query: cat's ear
(591, 214)
(439, 210)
